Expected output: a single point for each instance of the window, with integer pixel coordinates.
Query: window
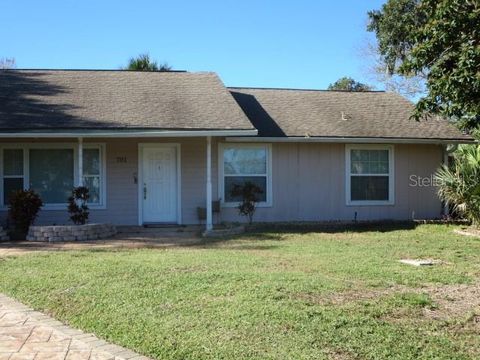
(92, 174)
(52, 174)
(13, 172)
(369, 175)
(245, 163)
(52, 170)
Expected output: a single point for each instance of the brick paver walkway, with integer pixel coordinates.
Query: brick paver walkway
(26, 334)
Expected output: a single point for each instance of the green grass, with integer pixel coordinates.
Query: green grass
(271, 295)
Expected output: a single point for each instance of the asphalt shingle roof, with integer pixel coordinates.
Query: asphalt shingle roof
(69, 99)
(317, 113)
(96, 99)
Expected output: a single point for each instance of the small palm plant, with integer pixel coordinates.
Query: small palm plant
(459, 184)
(249, 197)
(77, 205)
(143, 63)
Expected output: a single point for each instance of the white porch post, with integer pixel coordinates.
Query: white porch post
(80, 162)
(209, 224)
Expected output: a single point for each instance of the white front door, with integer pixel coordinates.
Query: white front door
(159, 191)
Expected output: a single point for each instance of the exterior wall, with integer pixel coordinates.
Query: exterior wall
(308, 182)
(122, 191)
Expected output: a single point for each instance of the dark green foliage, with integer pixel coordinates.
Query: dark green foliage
(395, 25)
(143, 63)
(23, 208)
(77, 205)
(439, 39)
(348, 84)
(249, 194)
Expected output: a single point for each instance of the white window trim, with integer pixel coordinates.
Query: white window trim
(391, 175)
(103, 174)
(26, 175)
(221, 177)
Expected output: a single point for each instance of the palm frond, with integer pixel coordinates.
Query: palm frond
(460, 183)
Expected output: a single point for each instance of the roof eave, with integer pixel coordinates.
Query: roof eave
(357, 140)
(126, 133)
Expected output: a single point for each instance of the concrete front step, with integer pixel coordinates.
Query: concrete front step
(153, 232)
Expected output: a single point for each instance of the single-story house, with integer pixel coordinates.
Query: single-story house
(154, 147)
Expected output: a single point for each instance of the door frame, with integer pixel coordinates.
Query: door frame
(177, 147)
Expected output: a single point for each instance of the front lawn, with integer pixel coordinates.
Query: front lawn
(339, 295)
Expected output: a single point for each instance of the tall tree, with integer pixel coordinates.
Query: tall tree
(143, 63)
(439, 40)
(348, 84)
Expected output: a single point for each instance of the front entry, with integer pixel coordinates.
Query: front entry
(159, 184)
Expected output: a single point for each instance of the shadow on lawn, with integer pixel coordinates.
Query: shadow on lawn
(256, 233)
(271, 229)
(242, 242)
(239, 246)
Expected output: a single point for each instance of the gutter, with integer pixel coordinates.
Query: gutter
(126, 133)
(350, 140)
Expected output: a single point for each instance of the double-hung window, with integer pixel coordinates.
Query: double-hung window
(369, 170)
(93, 174)
(51, 173)
(51, 170)
(13, 171)
(242, 163)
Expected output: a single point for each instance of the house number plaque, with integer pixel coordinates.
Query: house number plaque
(121, 159)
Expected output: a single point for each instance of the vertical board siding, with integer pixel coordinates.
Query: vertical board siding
(308, 181)
(122, 190)
(309, 185)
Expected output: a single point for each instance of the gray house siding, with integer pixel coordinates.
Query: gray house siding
(122, 191)
(308, 183)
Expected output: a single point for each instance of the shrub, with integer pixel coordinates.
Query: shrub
(459, 184)
(77, 205)
(23, 208)
(249, 197)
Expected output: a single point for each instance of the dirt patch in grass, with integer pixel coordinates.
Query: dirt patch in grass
(338, 355)
(340, 298)
(470, 231)
(454, 301)
(451, 301)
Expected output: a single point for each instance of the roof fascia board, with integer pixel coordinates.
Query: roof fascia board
(126, 134)
(356, 140)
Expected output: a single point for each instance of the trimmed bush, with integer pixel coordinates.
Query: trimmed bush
(23, 208)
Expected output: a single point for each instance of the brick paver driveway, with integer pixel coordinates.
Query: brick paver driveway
(30, 335)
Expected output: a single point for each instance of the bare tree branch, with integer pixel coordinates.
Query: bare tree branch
(7, 63)
(376, 70)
